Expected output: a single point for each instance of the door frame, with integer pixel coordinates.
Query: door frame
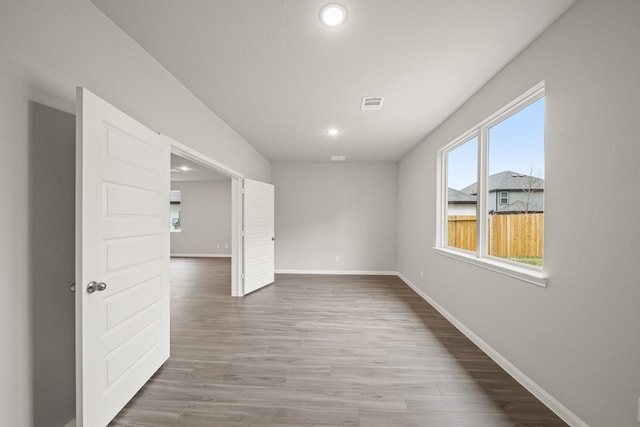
(237, 288)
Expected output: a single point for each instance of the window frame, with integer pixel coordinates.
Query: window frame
(172, 228)
(505, 198)
(481, 258)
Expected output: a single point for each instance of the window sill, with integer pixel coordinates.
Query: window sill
(538, 278)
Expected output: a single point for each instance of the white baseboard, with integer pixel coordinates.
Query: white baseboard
(71, 423)
(339, 272)
(200, 255)
(552, 403)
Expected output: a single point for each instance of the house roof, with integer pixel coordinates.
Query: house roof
(508, 180)
(460, 198)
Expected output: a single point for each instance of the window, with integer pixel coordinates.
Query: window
(462, 206)
(491, 204)
(174, 210)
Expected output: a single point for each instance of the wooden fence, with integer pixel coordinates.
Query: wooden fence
(509, 235)
(461, 232)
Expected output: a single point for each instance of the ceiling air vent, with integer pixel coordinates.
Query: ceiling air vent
(371, 103)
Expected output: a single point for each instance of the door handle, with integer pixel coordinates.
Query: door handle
(72, 288)
(96, 286)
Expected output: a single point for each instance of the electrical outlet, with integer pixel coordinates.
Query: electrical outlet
(422, 274)
(218, 245)
(337, 258)
(226, 246)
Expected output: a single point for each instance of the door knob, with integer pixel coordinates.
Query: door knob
(96, 286)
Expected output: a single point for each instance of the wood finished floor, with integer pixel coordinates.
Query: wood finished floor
(320, 351)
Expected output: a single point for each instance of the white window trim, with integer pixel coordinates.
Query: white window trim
(523, 272)
(500, 202)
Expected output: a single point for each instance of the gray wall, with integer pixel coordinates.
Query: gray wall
(324, 210)
(47, 49)
(205, 218)
(51, 263)
(578, 338)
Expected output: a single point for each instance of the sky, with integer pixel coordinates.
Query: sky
(515, 144)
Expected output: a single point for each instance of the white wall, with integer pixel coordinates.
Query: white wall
(47, 48)
(324, 210)
(205, 218)
(578, 338)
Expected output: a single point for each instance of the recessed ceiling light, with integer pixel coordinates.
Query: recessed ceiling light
(333, 131)
(338, 158)
(175, 170)
(333, 14)
(184, 168)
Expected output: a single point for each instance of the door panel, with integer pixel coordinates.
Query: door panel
(258, 235)
(122, 199)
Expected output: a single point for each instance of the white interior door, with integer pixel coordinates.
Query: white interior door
(122, 258)
(259, 235)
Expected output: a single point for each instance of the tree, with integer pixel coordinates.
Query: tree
(532, 184)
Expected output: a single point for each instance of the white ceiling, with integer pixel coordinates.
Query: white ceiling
(194, 171)
(280, 78)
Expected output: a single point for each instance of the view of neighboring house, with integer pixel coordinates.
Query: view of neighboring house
(509, 192)
(460, 203)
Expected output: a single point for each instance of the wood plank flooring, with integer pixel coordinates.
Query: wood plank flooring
(320, 351)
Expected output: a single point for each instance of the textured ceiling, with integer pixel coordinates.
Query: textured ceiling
(280, 78)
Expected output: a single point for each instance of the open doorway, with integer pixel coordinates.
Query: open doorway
(201, 212)
(206, 210)
(200, 216)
